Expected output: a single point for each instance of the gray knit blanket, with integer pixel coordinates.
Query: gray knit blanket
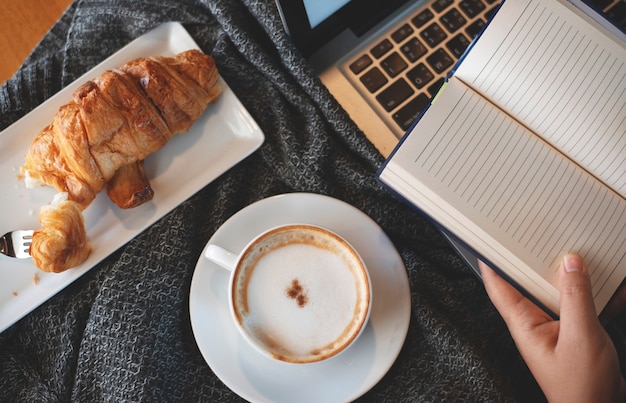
(105, 338)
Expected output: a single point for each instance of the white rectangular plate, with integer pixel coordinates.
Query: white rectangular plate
(224, 135)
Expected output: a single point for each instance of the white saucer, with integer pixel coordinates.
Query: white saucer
(257, 378)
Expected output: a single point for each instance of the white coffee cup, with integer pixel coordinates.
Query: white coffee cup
(298, 293)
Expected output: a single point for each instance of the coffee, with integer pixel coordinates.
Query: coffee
(301, 293)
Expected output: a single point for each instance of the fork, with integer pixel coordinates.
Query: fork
(16, 243)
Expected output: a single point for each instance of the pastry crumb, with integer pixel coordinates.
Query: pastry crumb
(35, 279)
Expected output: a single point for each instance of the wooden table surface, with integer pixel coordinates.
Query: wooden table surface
(23, 24)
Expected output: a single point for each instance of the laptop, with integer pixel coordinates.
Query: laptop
(383, 60)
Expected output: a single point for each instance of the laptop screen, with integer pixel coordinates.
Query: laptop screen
(312, 23)
(319, 10)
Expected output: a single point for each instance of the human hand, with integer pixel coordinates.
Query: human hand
(573, 359)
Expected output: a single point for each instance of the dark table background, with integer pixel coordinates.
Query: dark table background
(122, 331)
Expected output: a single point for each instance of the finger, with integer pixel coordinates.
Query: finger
(578, 315)
(518, 312)
(501, 293)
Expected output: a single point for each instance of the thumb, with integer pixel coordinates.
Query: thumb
(578, 312)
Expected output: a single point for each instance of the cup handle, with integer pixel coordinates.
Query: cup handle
(222, 257)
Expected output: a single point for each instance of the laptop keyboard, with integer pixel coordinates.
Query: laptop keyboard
(399, 74)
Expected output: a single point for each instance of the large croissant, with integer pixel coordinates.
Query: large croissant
(119, 119)
(102, 136)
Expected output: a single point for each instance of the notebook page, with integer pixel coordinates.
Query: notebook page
(562, 78)
(497, 186)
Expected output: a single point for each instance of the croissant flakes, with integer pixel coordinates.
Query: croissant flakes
(100, 139)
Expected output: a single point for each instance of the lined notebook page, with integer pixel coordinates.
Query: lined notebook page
(561, 78)
(482, 171)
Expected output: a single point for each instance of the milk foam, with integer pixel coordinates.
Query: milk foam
(302, 299)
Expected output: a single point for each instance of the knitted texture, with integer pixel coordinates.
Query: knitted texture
(122, 332)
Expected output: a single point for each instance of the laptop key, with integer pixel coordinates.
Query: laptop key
(457, 45)
(381, 48)
(489, 13)
(474, 28)
(402, 33)
(420, 75)
(472, 8)
(452, 20)
(440, 5)
(433, 35)
(434, 87)
(373, 79)
(360, 64)
(422, 18)
(394, 64)
(395, 94)
(406, 115)
(413, 49)
(440, 60)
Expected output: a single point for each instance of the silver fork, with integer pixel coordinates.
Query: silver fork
(16, 243)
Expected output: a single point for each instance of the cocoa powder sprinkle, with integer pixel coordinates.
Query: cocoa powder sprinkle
(297, 293)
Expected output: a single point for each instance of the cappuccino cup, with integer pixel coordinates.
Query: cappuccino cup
(297, 293)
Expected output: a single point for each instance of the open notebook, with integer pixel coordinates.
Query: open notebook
(522, 154)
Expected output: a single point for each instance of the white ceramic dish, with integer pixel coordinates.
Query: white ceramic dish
(223, 136)
(258, 378)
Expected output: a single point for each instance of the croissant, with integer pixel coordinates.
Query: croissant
(118, 119)
(102, 136)
(130, 187)
(61, 243)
